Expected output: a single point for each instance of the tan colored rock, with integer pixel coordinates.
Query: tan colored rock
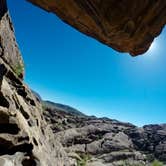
(127, 25)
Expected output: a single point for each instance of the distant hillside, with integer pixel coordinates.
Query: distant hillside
(96, 141)
(36, 95)
(57, 106)
(92, 141)
(62, 107)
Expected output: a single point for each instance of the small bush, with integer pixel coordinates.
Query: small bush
(157, 163)
(84, 159)
(19, 70)
(44, 106)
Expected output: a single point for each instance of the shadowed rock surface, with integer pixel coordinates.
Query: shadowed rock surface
(125, 25)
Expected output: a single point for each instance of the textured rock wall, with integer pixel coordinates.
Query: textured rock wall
(125, 25)
(9, 51)
(25, 137)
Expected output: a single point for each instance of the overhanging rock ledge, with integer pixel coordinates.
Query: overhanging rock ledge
(125, 25)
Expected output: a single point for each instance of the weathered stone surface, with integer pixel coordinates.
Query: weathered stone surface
(108, 142)
(9, 50)
(151, 139)
(25, 137)
(126, 25)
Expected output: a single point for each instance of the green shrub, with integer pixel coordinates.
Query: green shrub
(43, 106)
(19, 69)
(84, 159)
(157, 163)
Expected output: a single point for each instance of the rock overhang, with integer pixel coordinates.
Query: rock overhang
(126, 26)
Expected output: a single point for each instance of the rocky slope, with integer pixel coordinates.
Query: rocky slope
(106, 142)
(125, 25)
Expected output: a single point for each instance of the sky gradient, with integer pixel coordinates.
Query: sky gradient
(67, 67)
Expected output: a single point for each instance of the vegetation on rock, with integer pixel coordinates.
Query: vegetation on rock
(19, 69)
(84, 158)
(157, 163)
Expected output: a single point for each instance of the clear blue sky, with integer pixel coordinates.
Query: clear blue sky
(65, 66)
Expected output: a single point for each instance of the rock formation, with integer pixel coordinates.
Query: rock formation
(25, 137)
(125, 25)
(37, 133)
(9, 51)
(107, 142)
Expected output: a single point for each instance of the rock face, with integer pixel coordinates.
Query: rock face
(105, 141)
(25, 137)
(9, 51)
(125, 25)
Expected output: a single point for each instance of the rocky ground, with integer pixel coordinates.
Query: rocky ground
(105, 141)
